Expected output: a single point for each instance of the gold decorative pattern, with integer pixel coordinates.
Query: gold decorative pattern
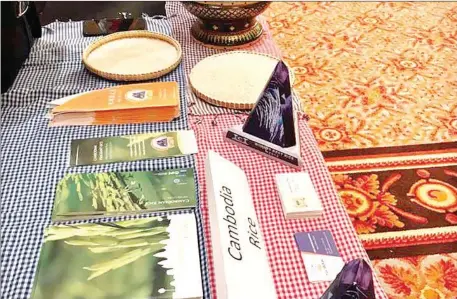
(219, 40)
(228, 12)
(419, 277)
(379, 74)
(228, 24)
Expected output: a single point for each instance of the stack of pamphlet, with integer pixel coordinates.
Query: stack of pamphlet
(298, 197)
(153, 257)
(95, 195)
(124, 104)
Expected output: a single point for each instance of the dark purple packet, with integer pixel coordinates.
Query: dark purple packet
(355, 281)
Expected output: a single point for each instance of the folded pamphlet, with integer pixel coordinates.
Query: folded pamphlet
(92, 195)
(123, 104)
(126, 148)
(154, 257)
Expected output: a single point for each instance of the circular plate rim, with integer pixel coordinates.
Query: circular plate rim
(228, 3)
(237, 106)
(131, 34)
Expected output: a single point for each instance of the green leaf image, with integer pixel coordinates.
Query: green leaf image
(119, 258)
(79, 196)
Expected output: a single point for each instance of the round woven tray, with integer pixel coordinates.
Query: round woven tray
(227, 80)
(155, 70)
(228, 4)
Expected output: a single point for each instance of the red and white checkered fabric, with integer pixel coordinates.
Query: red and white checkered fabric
(285, 260)
(181, 21)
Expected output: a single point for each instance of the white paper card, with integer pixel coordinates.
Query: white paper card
(239, 255)
(320, 255)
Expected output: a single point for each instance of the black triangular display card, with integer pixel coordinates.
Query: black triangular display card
(272, 118)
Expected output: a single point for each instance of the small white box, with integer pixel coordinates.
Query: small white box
(298, 197)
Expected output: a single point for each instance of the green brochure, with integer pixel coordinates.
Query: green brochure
(94, 195)
(154, 257)
(132, 147)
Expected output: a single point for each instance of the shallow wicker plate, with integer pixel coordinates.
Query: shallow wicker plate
(234, 79)
(133, 56)
(227, 4)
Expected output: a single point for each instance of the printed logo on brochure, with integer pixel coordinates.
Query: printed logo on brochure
(163, 143)
(138, 95)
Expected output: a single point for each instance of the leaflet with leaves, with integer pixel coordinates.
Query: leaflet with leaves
(91, 195)
(154, 257)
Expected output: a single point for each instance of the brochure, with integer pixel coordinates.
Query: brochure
(132, 147)
(154, 257)
(91, 195)
(122, 104)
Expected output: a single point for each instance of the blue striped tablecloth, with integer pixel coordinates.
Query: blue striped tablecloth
(35, 157)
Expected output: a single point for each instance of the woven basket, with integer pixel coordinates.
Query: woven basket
(233, 105)
(132, 34)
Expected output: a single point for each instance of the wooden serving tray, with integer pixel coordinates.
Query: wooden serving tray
(133, 56)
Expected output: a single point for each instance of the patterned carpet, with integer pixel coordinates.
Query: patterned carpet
(379, 83)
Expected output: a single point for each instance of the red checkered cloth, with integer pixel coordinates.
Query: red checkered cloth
(285, 260)
(193, 52)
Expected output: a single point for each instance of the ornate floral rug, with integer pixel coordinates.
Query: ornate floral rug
(379, 83)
